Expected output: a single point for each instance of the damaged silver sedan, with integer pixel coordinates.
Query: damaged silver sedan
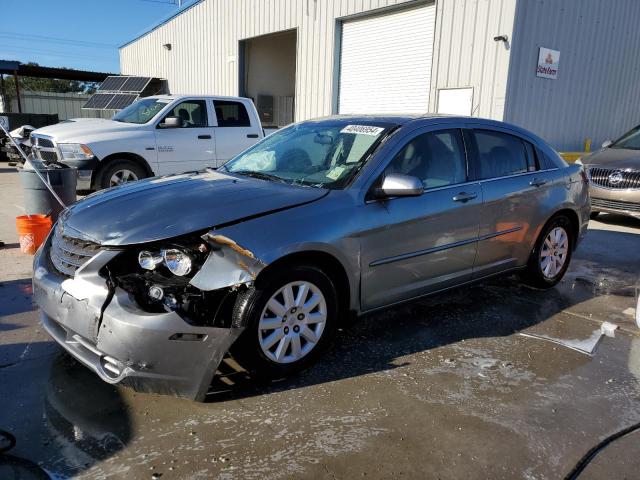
(152, 283)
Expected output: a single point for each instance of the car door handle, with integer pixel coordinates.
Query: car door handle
(464, 197)
(252, 135)
(537, 182)
(204, 137)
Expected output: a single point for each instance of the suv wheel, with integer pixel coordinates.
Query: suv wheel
(289, 321)
(120, 172)
(551, 256)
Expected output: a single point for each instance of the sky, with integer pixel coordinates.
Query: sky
(82, 34)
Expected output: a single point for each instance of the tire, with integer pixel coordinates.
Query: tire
(594, 215)
(127, 170)
(535, 274)
(252, 307)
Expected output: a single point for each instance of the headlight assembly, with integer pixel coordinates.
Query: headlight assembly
(75, 151)
(177, 262)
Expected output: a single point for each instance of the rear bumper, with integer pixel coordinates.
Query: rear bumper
(122, 343)
(625, 202)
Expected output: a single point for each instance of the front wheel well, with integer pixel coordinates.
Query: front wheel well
(321, 260)
(109, 159)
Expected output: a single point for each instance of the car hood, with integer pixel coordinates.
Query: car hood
(79, 128)
(621, 158)
(174, 205)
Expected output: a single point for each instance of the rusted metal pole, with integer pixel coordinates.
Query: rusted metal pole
(16, 79)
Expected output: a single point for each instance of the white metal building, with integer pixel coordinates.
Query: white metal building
(300, 59)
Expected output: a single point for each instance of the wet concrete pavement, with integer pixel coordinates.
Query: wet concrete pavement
(446, 387)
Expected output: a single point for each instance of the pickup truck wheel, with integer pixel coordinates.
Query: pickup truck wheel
(289, 322)
(550, 258)
(119, 172)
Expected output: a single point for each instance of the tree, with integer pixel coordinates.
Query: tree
(45, 85)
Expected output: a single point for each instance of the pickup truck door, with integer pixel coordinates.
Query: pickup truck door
(235, 131)
(190, 147)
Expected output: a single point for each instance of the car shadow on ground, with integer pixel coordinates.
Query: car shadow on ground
(384, 341)
(64, 418)
(16, 297)
(496, 308)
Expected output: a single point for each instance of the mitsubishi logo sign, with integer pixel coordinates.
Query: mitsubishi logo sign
(616, 177)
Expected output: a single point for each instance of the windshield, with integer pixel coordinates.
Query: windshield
(141, 111)
(319, 154)
(630, 140)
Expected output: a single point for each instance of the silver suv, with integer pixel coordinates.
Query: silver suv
(153, 282)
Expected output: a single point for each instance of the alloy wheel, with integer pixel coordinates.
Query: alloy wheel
(122, 176)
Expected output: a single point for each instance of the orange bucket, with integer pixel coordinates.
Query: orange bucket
(32, 230)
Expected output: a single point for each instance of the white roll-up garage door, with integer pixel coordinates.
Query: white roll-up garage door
(385, 62)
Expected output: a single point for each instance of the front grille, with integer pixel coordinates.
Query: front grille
(42, 142)
(615, 205)
(622, 179)
(68, 254)
(46, 155)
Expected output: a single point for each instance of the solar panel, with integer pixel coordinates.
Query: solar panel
(135, 84)
(113, 83)
(99, 101)
(121, 100)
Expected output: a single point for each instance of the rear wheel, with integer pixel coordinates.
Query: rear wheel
(120, 172)
(289, 321)
(550, 258)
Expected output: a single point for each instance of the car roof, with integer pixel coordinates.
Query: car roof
(177, 96)
(424, 119)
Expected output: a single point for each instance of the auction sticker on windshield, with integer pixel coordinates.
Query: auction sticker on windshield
(362, 130)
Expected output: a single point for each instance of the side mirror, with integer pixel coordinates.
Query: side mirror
(607, 144)
(171, 122)
(398, 185)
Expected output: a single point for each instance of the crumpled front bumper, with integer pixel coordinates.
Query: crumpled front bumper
(110, 334)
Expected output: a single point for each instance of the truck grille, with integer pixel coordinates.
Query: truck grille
(615, 179)
(68, 254)
(44, 149)
(615, 205)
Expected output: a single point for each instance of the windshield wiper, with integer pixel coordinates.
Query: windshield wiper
(260, 175)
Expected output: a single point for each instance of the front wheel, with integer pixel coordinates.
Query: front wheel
(120, 172)
(289, 321)
(550, 258)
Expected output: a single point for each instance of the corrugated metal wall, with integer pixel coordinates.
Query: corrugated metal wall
(66, 105)
(597, 93)
(204, 53)
(466, 55)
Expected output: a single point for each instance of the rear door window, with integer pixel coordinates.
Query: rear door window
(231, 114)
(500, 154)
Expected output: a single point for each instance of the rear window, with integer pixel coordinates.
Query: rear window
(231, 114)
(500, 154)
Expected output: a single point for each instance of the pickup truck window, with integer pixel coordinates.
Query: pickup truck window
(141, 111)
(192, 112)
(231, 114)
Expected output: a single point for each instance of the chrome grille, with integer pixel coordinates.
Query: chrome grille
(615, 205)
(47, 156)
(44, 149)
(41, 142)
(68, 254)
(624, 179)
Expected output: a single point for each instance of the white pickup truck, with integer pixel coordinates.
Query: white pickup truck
(153, 136)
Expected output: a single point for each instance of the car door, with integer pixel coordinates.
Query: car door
(421, 244)
(234, 131)
(190, 146)
(516, 193)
